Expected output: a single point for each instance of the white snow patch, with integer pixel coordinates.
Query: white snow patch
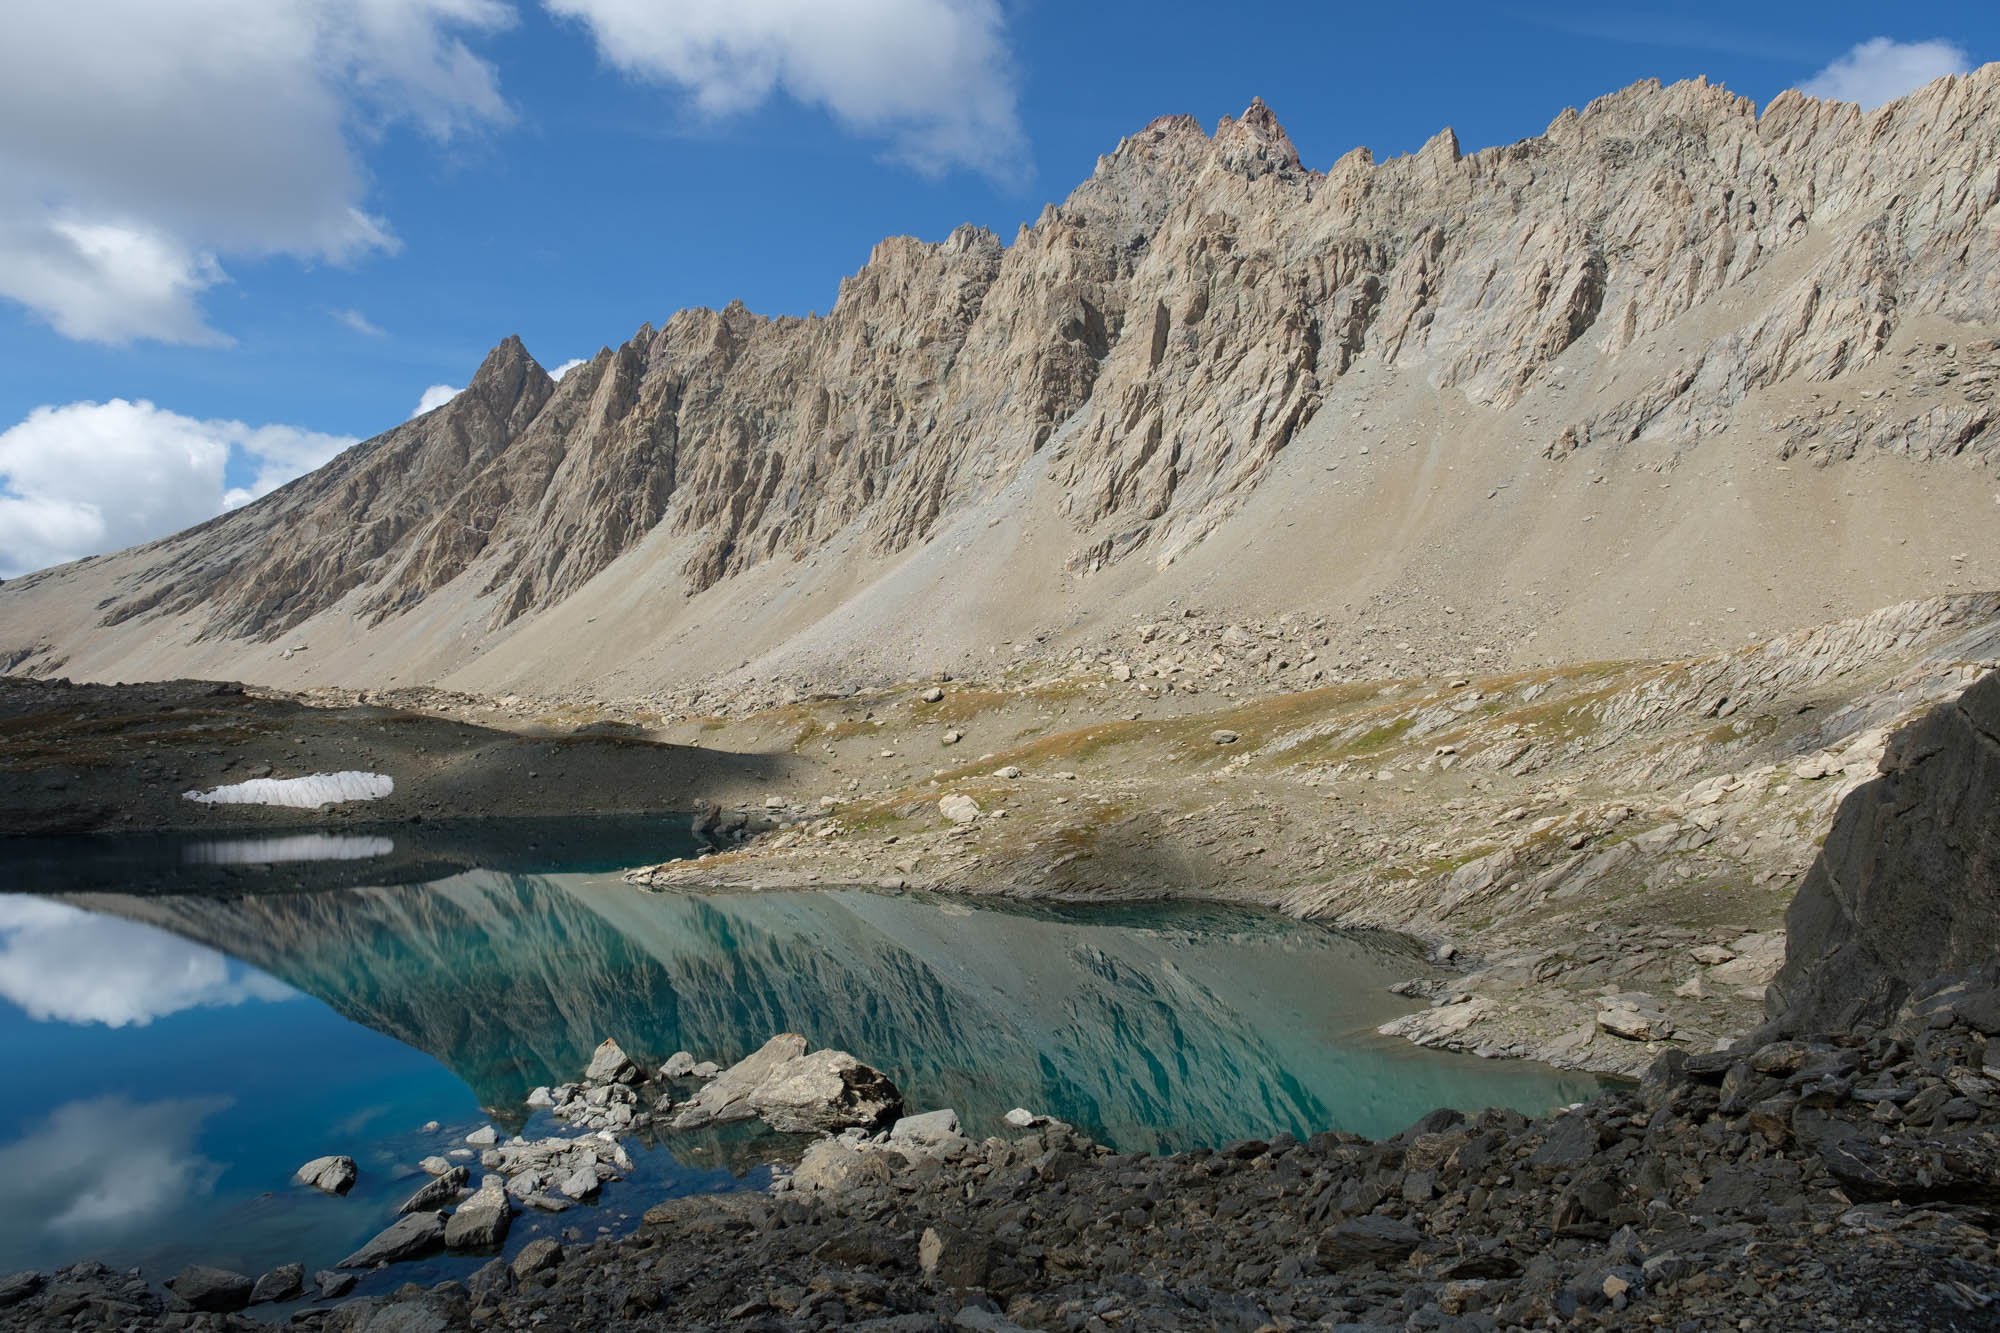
(272, 851)
(307, 793)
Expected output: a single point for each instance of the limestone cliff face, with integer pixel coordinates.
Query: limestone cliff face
(1907, 888)
(1164, 333)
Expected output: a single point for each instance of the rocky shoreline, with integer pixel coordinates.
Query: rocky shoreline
(1844, 1180)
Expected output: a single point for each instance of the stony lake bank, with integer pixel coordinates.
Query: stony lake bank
(1838, 1167)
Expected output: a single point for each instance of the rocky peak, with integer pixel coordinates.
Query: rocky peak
(511, 384)
(1256, 144)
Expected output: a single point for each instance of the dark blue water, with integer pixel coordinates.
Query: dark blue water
(176, 1056)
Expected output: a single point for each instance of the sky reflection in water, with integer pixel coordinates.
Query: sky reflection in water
(187, 1053)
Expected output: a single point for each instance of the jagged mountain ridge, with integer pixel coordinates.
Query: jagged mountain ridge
(1158, 339)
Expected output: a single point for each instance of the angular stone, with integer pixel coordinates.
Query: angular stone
(730, 1095)
(931, 1132)
(335, 1175)
(1381, 1241)
(831, 1165)
(333, 1285)
(19, 1286)
(537, 1256)
(610, 1064)
(216, 1290)
(954, 1257)
(280, 1284)
(436, 1193)
(958, 809)
(482, 1221)
(411, 1237)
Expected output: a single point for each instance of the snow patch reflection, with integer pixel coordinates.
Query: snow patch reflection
(62, 964)
(298, 847)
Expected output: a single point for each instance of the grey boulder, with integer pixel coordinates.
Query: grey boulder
(280, 1284)
(410, 1237)
(434, 1194)
(795, 1092)
(482, 1221)
(610, 1064)
(216, 1290)
(335, 1175)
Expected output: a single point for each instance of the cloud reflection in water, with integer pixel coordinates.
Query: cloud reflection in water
(61, 964)
(107, 1165)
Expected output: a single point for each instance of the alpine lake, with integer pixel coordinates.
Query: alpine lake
(185, 1020)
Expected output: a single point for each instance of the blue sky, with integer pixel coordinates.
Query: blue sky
(278, 222)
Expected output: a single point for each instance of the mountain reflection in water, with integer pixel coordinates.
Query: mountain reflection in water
(1156, 1027)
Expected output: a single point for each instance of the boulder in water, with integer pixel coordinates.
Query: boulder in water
(335, 1175)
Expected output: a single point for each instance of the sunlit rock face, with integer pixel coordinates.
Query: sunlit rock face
(1160, 337)
(1169, 1027)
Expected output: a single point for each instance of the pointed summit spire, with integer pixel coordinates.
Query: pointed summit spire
(511, 383)
(1256, 144)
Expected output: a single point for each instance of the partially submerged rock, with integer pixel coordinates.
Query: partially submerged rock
(610, 1064)
(436, 1193)
(335, 1175)
(410, 1237)
(795, 1091)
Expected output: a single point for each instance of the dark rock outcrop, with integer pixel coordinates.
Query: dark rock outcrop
(1907, 888)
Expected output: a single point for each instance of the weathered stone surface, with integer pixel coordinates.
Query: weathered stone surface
(1381, 1241)
(283, 1283)
(728, 1095)
(200, 1287)
(958, 809)
(794, 1091)
(833, 1165)
(537, 1256)
(482, 1221)
(436, 1193)
(1907, 886)
(410, 1237)
(610, 1064)
(17, 1287)
(335, 1175)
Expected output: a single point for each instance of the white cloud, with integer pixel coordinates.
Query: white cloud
(48, 966)
(89, 477)
(933, 77)
(1880, 70)
(567, 366)
(359, 322)
(140, 142)
(433, 398)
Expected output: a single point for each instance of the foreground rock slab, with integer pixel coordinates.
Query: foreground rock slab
(410, 1237)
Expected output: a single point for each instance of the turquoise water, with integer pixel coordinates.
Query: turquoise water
(176, 1055)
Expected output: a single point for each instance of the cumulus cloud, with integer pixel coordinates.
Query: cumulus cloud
(1881, 70)
(567, 366)
(433, 398)
(89, 477)
(48, 966)
(932, 77)
(359, 322)
(140, 142)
